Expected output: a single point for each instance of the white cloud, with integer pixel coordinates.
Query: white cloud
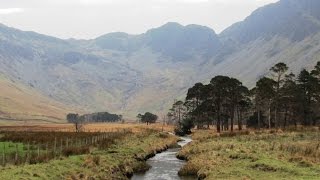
(11, 10)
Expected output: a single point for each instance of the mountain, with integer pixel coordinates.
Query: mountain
(172, 40)
(116, 72)
(285, 31)
(130, 74)
(181, 43)
(291, 19)
(21, 103)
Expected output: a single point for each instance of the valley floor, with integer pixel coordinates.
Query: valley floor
(253, 155)
(119, 161)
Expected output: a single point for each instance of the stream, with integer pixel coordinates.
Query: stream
(165, 165)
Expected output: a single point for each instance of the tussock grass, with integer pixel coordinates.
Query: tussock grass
(94, 127)
(267, 154)
(119, 161)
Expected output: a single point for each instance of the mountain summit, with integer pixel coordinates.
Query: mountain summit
(292, 19)
(172, 40)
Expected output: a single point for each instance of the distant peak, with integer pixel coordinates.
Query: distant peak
(114, 35)
(172, 24)
(175, 24)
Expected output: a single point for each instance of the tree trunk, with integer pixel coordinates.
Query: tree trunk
(275, 117)
(179, 115)
(269, 117)
(292, 115)
(218, 120)
(276, 103)
(238, 118)
(240, 121)
(259, 119)
(208, 121)
(233, 110)
(226, 124)
(285, 118)
(231, 123)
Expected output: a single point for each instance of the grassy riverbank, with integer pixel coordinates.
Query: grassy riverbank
(253, 155)
(116, 162)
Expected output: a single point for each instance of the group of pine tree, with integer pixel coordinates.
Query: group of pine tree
(93, 117)
(280, 100)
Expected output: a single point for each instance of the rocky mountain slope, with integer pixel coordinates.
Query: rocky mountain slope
(128, 74)
(286, 31)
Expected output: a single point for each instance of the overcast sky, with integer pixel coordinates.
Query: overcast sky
(87, 19)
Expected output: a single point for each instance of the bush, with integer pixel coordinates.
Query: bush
(178, 131)
(184, 127)
(75, 151)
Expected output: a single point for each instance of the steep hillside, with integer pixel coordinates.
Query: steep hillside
(287, 31)
(117, 72)
(19, 104)
(254, 59)
(291, 19)
(63, 71)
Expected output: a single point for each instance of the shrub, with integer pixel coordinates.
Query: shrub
(75, 151)
(184, 127)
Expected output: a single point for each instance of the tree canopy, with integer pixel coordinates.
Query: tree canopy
(279, 100)
(147, 118)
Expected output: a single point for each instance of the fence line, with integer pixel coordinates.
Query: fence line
(31, 153)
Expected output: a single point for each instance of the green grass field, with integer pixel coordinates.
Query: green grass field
(11, 147)
(116, 162)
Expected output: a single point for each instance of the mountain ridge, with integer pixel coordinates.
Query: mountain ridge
(130, 74)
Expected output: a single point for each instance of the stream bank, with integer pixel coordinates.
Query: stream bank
(165, 165)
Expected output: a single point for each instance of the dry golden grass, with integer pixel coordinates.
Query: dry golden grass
(265, 154)
(19, 103)
(96, 127)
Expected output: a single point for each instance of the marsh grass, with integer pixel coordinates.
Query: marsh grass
(38, 147)
(117, 161)
(267, 154)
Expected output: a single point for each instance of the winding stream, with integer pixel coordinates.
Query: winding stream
(165, 165)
